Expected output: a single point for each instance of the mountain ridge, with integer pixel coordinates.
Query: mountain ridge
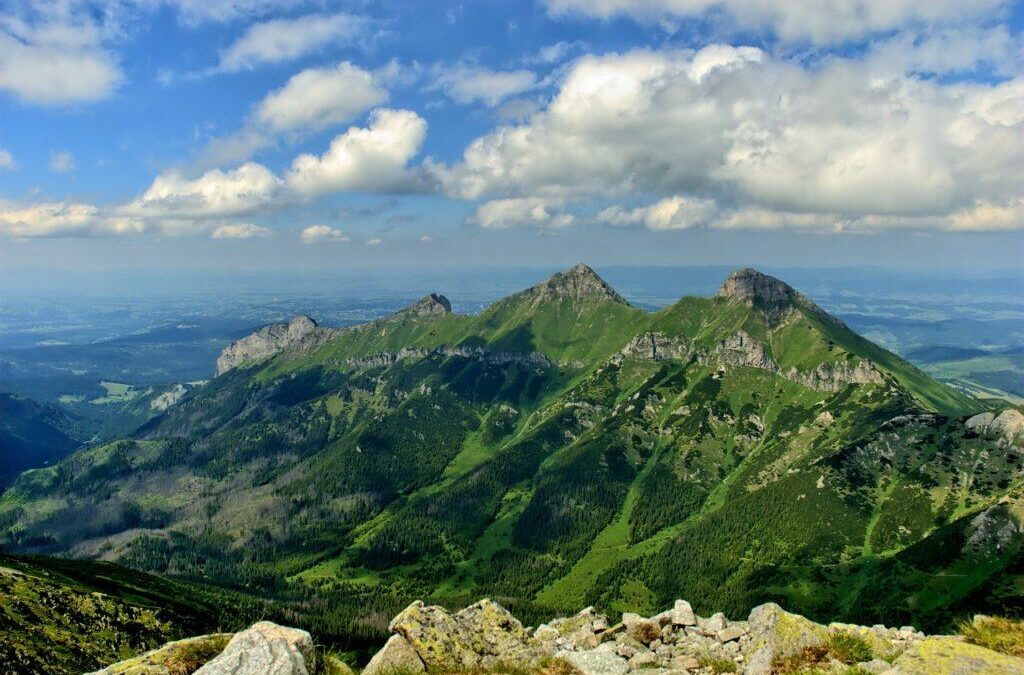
(558, 453)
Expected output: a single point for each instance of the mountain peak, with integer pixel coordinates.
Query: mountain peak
(431, 305)
(756, 289)
(577, 282)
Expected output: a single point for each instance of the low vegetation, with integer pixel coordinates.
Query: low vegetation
(999, 634)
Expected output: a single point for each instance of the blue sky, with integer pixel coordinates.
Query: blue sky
(254, 134)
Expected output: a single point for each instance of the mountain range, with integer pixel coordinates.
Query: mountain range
(559, 449)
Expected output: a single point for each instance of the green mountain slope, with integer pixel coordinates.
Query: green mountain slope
(59, 616)
(32, 434)
(562, 448)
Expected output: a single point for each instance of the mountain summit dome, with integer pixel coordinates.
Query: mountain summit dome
(576, 283)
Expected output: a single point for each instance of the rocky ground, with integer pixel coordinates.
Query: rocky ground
(486, 638)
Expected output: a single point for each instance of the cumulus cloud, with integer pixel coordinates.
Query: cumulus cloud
(474, 84)
(172, 198)
(317, 233)
(281, 40)
(239, 231)
(519, 211)
(374, 241)
(7, 162)
(671, 213)
(370, 159)
(62, 162)
(56, 62)
(794, 20)
(317, 98)
(63, 219)
(735, 125)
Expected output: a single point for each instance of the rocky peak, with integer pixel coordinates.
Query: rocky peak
(575, 283)
(757, 289)
(266, 342)
(431, 305)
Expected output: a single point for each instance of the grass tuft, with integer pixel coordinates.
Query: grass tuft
(849, 648)
(996, 633)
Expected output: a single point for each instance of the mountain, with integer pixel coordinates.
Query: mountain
(32, 434)
(559, 449)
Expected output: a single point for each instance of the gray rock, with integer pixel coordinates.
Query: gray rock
(777, 633)
(267, 342)
(731, 633)
(263, 649)
(875, 666)
(397, 655)
(641, 660)
(682, 614)
(596, 662)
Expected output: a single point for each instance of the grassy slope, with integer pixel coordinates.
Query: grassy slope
(61, 616)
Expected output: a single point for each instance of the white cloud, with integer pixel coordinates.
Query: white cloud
(62, 219)
(519, 211)
(367, 159)
(62, 162)
(734, 125)
(239, 231)
(374, 241)
(281, 40)
(317, 98)
(215, 194)
(794, 20)
(986, 216)
(671, 213)
(55, 62)
(7, 162)
(947, 50)
(474, 84)
(426, 239)
(316, 233)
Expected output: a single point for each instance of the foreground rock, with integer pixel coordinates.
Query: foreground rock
(486, 638)
(264, 649)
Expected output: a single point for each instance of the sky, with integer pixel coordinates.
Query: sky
(264, 135)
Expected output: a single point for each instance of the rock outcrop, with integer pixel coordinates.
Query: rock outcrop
(742, 350)
(267, 342)
(485, 637)
(770, 295)
(1007, 426)
(674, 642)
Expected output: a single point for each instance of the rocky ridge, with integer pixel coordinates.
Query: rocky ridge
(485, 637)
(740, 349)
(303, 334)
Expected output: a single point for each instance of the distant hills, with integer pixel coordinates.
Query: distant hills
(559, 449)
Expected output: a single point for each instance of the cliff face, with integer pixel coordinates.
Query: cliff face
(266, 342)
(486, 638)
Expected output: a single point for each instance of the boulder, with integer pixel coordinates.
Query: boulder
(438, 637)
(263, 649)
(596, 662)
(496, 635)
(682, 614)
(775, 633)
(397, 656)
(943, 654)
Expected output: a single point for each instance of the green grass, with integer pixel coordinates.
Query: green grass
(117, 392)
(999, 634)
